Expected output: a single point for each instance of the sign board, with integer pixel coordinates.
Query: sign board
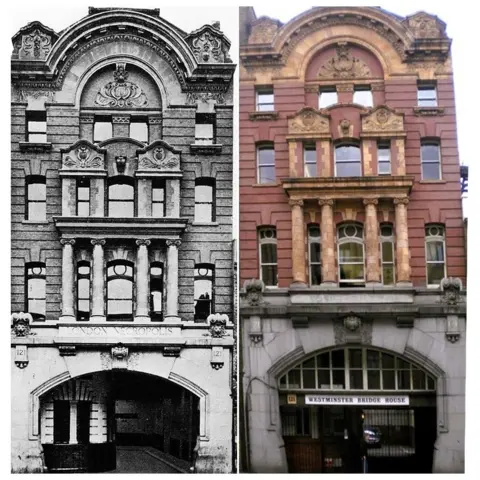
(292, 398)
(360, 400)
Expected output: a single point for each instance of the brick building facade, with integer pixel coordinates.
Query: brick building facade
(351, 229)
(122, 256)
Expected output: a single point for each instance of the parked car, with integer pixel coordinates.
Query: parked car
(372, 436)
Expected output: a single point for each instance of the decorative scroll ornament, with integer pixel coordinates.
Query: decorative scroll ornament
(217, 322)
(83, 159)
(451, 288)
(161, 159)
(382, 119)
(352, 323)
(263, 31)
(120, 92)
(308, 120)
(423, 25)
(36, 45)
(254, 289)
(207, 48)
(344, 65)
(204, 97)
(21, 324)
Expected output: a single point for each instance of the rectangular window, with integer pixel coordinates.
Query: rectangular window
(314, 255)
(36, 126)
(427, 95)
(435, 254)
(310, 160)
(265, 99)
(362, 95)
(266, 164)
(61, 421)
(204, 196)
(431, 167)
(203, 291)
(83, 422)
(268, 256)
(328, 96)
(156, 290)
(384, 158)
(205, 128)
(139, 129)
(83, 197)
(158, 198)
(83, 290)
(36, 198)
(36, 290)
(102, 129)
(388, 254)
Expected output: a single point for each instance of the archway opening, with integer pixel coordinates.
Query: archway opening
(119, 421)
(355, 409)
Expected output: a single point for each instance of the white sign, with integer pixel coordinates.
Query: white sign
(362, 400)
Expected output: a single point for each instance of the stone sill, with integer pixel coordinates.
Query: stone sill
(271, 184)
(432, 181)
(206, 149)
(428, 111)
(205, 224)
(35, 222)
(256, 116)
(35, 147)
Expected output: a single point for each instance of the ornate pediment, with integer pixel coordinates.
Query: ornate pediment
(209, 44)
(309, 121)
(264, 30)
(344, 65)
(381, 120)
(424, 25)
(83, 155)
(34, 42)
(159, 156)
(121, 93)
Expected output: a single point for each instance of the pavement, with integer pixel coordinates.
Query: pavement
(140, 460)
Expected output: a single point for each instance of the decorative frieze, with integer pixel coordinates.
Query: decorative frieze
(36, 45)
(344, 65)
(380, 120)
(205, 97)
(83, 155)
(309, 121)
(159, 156)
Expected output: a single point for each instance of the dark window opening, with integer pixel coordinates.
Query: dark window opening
(83, 290)
(203, 291)
(61, 421)
(156, 291)
(158, 197)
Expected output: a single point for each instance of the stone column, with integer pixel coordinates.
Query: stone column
(172, 280)
(98, 304)
(67, 279)
(371, 241)
(298, 244)
(73, 422)
(401, 234)
(327, 228)
(142, 280)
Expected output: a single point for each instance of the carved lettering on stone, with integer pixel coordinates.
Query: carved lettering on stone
(308, 121)
(344, 65)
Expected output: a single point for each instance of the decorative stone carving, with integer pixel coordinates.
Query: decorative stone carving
(21, 324)
(119, 351)
(21, 356)
(217, 361)
(308, 121)
(254, 289)
(382, 119)
(98, 241)
(205, 97)
(159, 156)
(83, 155)
(295, 202)
(24, 95)
(125, 119)
(264, 30)
(121, 163)
(344, 65)
(209, 45)
(35, 45)
(174, 243)
(352, 323)
(143, 241)
(217, 322)
(451, 288)
(256, 338)
(121, 93)
(106, 360)
(423, 25)
(345, 127)
(346, 330)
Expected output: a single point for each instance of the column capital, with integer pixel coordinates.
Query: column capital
(293, 203)
(174, 243)
(370, 201)
(67, 241)
(325, 201)
(402, 201)
(143, 241)
(98, 241)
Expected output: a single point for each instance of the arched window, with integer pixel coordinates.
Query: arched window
(267, 238)
(83, 290)
(348, 161)
(36, 290)
(121, 196)
(388, 254)
(156, 290)
(120, 290)
(351, 255)
(36, 198)
(203, 290)
(353, 368)
(314, 257)
(204, 200)
(435, 254)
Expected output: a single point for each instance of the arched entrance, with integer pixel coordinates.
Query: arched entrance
(91, 422)
(353, 408)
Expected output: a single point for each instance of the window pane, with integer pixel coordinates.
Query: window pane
(269, 253)
(310, 170)
(431, 171)
(266, 174)
(403, 377)
(430, 153)
(315, 274)
(83, 209)
(351, 252)
(356, 379)
(84, 288)
(348, 170)
(338, 377)
(310, 363)
(323, 378)
(269, 275)
(37, 137)
(435, 251)
(204, 131)
(430, 383)
(156, 301)
(203, 289)
(120, 209)
(387, 251)
(36, 288)
(355, 357)
(158, 210)
(37, 306)
(327, 98)
(388, 275)
(294, 378)
(120, 288)
(120, 307)
(61, 421)
(203, 193)
(373, 359)
(384, 168)
(283, 381)
(435, 272)
(84, 270)
(102, 131)
(338, 359)
(37, 191)
(158, 194)
(418, 378)
(266, 156)
(388, 361)
(265, 102)
(84, 306)
(347, 153)
(37, 127)
(315, 252)
(83, 193)
(351, 272)
(373, 379)
(363, 97)
(203, 212)
(323, 361)
(308, 378)
(139, 131)
(120, 191)
(37, 211)
(388, 379)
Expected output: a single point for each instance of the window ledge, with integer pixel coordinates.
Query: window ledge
(205, 224)
(428, 111)
(271, 184)
(35, 147)
(206, 149)
(36, 222)
(433, 181)
(256, 116)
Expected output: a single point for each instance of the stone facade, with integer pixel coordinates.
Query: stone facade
(300, 306)
(91, 208)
